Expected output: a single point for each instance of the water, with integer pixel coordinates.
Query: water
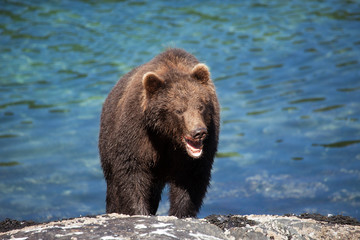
(287, 76)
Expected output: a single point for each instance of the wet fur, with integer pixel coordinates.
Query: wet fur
(141, 136)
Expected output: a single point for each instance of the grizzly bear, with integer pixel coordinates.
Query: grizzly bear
(160, 125)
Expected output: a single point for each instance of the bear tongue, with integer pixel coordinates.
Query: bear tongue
(194, 148)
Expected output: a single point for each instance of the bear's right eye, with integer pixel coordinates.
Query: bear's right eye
(179, 111)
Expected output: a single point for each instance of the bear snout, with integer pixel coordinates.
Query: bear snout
(194, 142)
(199, 133)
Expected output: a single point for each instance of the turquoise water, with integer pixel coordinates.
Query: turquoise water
(287, 75)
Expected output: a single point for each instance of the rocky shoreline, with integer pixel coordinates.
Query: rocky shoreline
(116, 226)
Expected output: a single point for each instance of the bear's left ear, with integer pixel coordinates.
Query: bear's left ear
(152, 82)
(201, 73)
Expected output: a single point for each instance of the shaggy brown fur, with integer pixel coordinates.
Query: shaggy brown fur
(160, 124)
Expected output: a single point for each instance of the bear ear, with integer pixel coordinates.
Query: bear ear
(152, 82)
(201, 73)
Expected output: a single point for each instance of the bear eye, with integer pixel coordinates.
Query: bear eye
(201, 108)
(179, 111)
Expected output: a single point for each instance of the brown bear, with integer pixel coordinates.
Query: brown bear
(159, 125)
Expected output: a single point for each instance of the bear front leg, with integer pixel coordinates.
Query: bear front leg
(186, 198)
(126, 200)
(181, 203)
(133, 194)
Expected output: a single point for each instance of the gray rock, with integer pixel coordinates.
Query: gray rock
(115, 226)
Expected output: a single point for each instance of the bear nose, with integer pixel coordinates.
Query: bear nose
(199, 133)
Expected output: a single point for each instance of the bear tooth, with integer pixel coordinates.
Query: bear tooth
(195, 152)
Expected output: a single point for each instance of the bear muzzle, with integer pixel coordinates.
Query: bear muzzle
(194, 142)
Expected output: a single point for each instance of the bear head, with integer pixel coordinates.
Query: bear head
(178, 105)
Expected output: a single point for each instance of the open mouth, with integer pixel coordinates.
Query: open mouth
(194, 147)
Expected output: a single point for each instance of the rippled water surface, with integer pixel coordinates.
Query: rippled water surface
(287, 75)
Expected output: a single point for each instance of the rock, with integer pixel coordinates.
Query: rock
(9, 224)
(291, 227)
(115, 226)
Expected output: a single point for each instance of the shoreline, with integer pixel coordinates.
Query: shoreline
(117, 226)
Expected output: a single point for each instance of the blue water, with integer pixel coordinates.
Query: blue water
(287, 75)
